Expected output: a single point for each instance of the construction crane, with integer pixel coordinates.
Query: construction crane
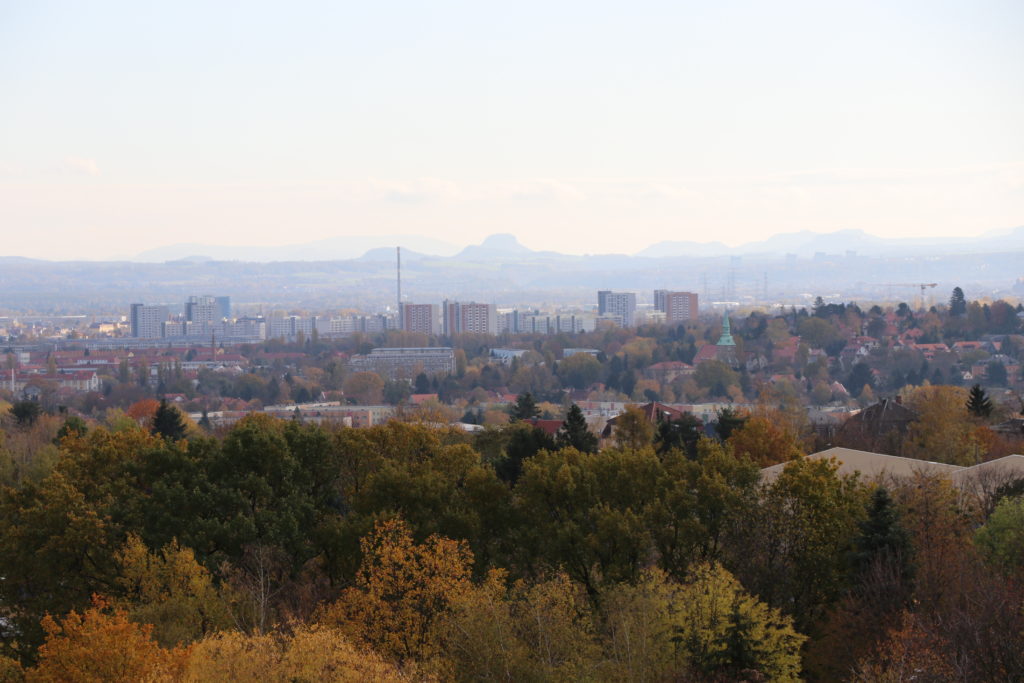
(922, 285)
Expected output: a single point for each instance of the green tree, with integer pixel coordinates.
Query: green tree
(957, 302)
(817, 332)
(726, 631)
(584, 513)
(72, 425)
(978, 402)
(525, 407)
(26, 412)
(882, 538)
(522, 441)
(1002, 537)
(575, 432)
(168, 422)
(995, 372)
(729, 420)
(792, 551)
(580, 370)
(699, 504)
(860, 377)
(682, 434)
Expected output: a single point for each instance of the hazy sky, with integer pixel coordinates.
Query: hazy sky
(578, 126)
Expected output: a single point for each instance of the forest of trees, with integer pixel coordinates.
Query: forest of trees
(149, 549)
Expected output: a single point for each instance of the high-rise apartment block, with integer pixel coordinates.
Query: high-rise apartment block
(469, 317)
(680, 307)
(147, 321)
(618, 305)
(406, 363)
(421, 318)
(223, 307)
(659, 299)
(201, 310)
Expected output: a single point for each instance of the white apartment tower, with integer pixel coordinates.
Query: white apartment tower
(147, 321)
(620, 305)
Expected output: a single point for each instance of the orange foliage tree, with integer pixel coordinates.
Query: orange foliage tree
(143, 410)
(100, 645)
(764, 442)
(401, 589)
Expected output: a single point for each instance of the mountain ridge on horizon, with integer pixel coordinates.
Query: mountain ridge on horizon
(507, 245)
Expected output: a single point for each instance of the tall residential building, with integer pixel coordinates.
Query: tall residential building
(422, 318)
(223, 307)
(659, 299)
(147, 321)
(620, 305)
(201, 310)
(680, 307)
(469, 317)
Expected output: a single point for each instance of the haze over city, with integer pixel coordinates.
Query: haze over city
(579, 127)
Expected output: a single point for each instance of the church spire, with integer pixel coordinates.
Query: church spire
(726, 338)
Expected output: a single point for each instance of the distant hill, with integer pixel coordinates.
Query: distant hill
(807, 243)
(331, 249)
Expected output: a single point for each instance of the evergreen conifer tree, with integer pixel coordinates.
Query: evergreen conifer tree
(957, 302)
(882, 537)
(978, 402)
(167, 422)
(576, 433)
(525, 407)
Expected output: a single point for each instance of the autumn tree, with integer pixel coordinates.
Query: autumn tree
(401, 590)
(307, 653)
(366, 388)
(943, 431)
(102, 645)
(169, 590)
(531, 631)
(764, 442)
(580, 370)
(632, 429)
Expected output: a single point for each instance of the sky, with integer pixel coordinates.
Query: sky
(578, 126)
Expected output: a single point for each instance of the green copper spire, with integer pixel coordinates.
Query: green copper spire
(726, 338)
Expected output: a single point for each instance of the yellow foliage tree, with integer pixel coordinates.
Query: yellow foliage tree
(633, 430)
(170, 590)
(310, 653)
(944, 430)
(724, 629)
(99, 645)
(764, 442)
(401, 589)
(533, 632)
